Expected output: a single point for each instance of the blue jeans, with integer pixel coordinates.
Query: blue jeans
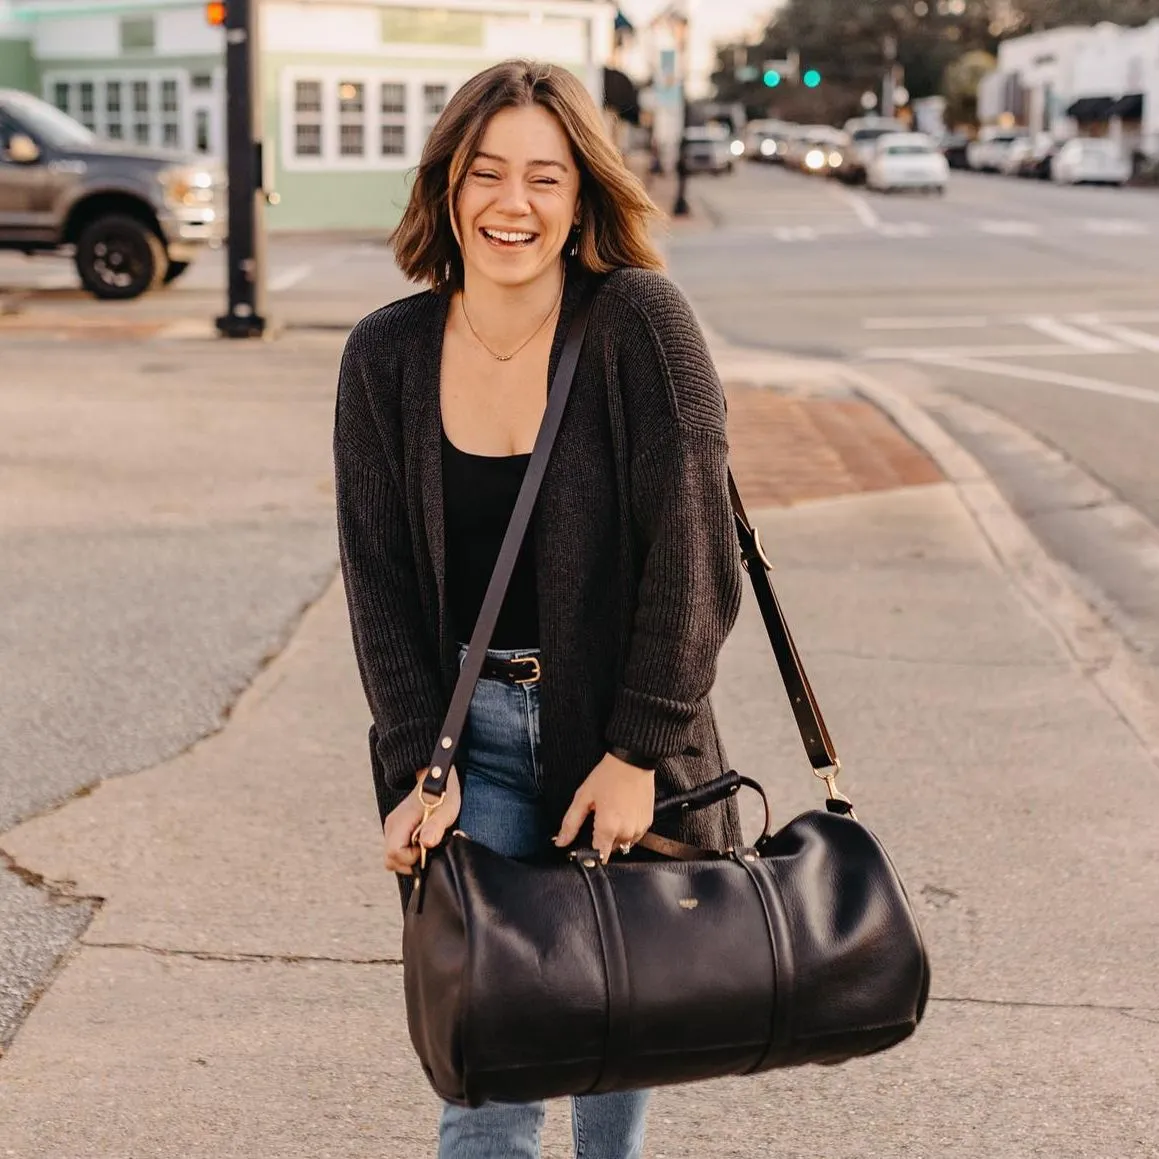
(501, 777)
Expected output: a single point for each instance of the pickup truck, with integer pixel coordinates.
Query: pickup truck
(134, 218)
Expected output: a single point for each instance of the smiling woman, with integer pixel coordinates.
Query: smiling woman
(523, 220)
(614, 211)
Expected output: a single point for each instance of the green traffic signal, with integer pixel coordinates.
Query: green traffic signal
(812, 79)
(772, 78)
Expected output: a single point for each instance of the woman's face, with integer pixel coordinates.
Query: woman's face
(519, 200)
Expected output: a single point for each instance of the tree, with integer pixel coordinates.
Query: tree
(1033, 15)
(960, 85)
(852, 43)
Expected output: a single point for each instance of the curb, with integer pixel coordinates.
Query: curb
(1051, 589)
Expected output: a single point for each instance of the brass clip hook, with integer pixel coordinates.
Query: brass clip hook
(829, 776)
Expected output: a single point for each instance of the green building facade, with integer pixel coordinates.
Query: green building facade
(350, 89)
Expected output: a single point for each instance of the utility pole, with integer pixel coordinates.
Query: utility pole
(246, 316)
(888, 85)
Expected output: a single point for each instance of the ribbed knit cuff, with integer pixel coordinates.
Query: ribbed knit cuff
(406, 749)
(650, 724)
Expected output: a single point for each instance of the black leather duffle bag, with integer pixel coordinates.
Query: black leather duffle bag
(527, 981)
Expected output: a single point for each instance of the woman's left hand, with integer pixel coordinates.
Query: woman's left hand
(623, 799)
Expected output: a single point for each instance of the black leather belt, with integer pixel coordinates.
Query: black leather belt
(523, 670)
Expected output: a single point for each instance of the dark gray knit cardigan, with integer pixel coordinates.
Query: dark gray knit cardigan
(637, 559)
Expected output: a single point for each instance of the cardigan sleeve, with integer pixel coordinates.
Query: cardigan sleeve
(397, 658)
(689, 590)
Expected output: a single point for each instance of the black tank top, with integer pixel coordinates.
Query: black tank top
(479, 493)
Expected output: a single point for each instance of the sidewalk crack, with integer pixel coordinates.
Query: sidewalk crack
(238, 956)
(1139, 1013)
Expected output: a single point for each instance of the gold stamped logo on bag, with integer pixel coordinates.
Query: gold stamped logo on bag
(688, 903)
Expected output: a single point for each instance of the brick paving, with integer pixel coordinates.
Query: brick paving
(788, 449)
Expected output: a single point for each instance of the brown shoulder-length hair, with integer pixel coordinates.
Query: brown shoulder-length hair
(615, 209)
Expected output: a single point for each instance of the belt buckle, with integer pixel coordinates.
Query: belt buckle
(536, 670)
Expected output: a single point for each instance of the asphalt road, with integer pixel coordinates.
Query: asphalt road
(1008, 307)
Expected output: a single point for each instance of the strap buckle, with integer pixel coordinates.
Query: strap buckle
(536, 670)
(757, 552)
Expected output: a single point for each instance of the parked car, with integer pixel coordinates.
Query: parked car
(708, 149)
(1093, 160)
(1036, 160)
(1021, 150)
(862, 135)
(907, 161)
(764, 140)
(985, 154)
(135, 218)
(953, 148)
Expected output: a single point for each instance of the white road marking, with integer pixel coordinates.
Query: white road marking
(1072, 335)
(968, 322)
(795, 233)
(981, 321)
(905, 229)
(287, 279)
(1115, 226)
(1137, 338)
(1051, 377)
(941, 353)
(861, 207)
(1010, 228)
(1118, 316)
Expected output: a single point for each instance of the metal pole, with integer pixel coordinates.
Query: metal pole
(681, 208)
(247, 268)
(889, 83)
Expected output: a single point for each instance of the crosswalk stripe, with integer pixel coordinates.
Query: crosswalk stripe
(1051, 377)
(1115, 226)
(1132, 337)
(925, 353)
(1072, 335)
(1010, 228)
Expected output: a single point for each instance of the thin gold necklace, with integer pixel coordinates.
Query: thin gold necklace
(508, 357)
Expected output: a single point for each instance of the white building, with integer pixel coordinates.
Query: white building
(1099, 81)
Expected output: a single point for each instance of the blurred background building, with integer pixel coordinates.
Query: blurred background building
(351, 89)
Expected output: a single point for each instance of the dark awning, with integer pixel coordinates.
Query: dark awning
(1130, 107)
(621, 95)
(1091, 108)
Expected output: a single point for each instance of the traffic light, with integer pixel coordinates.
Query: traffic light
(811, 79)
(772, 78)
(215, 13)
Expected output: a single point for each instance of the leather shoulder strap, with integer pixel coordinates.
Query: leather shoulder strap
(434, 784)
(806, 710)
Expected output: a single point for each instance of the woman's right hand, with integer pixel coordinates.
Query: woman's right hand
(404, 829)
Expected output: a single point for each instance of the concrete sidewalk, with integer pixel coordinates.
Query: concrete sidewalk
(239, 991)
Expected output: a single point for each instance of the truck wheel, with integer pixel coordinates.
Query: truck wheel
(176, 269)
(119, 257)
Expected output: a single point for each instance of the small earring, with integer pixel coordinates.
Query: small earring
(573, 241)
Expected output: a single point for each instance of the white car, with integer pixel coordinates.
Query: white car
(863, 133)
(708, 149)
(907, 161)
(988, 152)
(762, 140)
(1091, 159)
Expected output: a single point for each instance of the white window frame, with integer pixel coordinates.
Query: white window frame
(127, 117)
(415, 122)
